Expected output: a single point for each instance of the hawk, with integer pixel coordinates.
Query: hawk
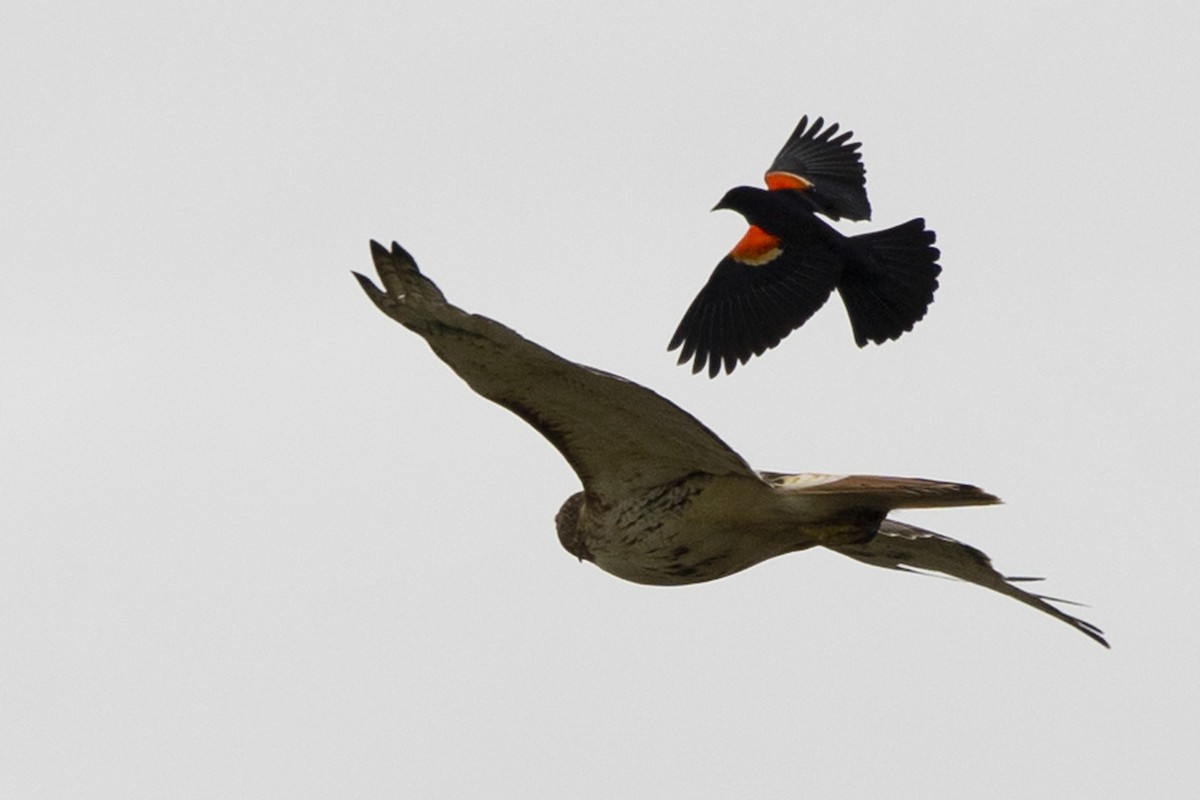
(664, 501)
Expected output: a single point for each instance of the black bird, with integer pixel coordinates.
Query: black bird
(790, 260)
(664, 500)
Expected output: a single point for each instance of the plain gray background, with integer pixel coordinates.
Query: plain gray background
(256, 541)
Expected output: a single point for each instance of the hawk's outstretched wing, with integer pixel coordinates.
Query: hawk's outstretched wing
(911, 549)
(619, 437)
(879, 491)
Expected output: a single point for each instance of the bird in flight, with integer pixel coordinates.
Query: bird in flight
(791, 260)
(664, 500)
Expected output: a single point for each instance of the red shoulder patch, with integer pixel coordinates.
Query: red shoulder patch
(786, 180)
(756, 248)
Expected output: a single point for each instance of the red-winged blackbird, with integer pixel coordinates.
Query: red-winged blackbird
(790, 260)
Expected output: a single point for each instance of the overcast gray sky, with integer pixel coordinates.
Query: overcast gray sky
(257, 541)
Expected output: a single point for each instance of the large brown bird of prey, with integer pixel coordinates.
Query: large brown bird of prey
(790, 260)
(664, 500)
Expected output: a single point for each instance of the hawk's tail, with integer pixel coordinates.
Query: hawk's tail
(908, 548)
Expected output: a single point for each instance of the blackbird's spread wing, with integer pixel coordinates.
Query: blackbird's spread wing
(911, 549)
(619, 437)
(746, 309)
(829, 168)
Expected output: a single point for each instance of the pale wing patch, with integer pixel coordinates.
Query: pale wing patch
(786, 180)
(805, 480)
(756, 248)
(759, 260)
(892, 492)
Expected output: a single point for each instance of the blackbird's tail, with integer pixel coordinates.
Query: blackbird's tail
(889, 287)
